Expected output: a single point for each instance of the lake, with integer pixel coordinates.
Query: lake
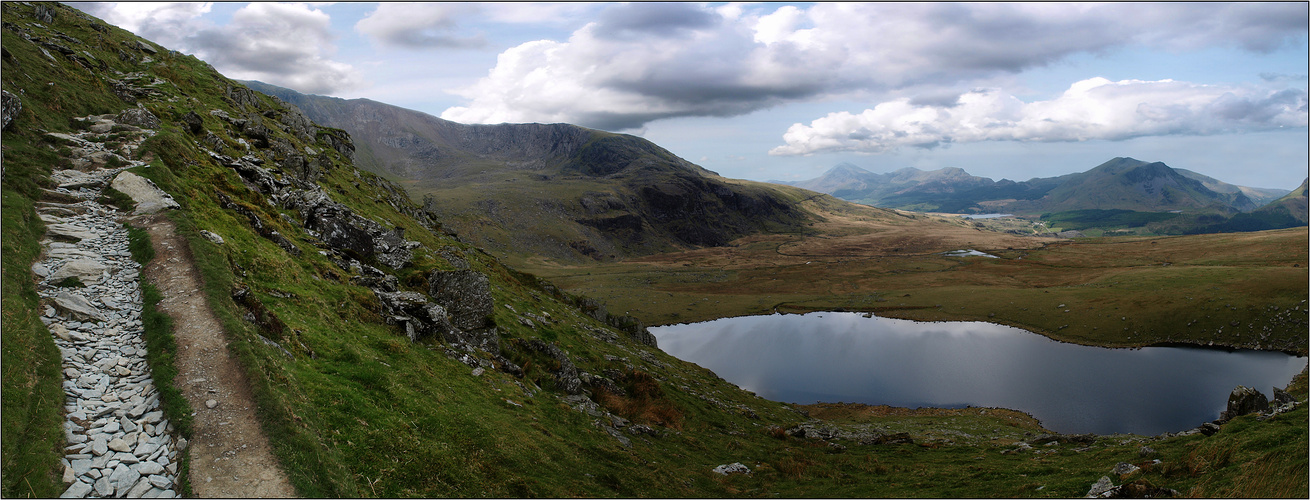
(846, 357)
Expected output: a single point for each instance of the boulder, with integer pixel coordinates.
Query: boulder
(1281, 397)
(1244, 400)
(149, 198)
(212, 237)
(86, 270)
(138, 117)
(1101, 487)
(1123, 468)
(465, 294)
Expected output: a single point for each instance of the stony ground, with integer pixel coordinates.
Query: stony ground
(119, 443)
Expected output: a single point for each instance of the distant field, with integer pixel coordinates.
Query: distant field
(1232, 289)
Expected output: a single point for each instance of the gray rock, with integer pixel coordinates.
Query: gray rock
(1281, 397)
(1244, 400)
(99, 446)
(149, 468)
(68, 231)
(104, 486)
(1208, 428)
(148, 197)
(138, 117)
(88, 271)
(214, 238)
(1101, 487)
(466, 295)
(78, 306)
(140, 488)
(194, 122)
(161, 481)
(77, 490)
(1123, 468)
(732, 468)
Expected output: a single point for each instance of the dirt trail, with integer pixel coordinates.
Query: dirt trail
(230, 456)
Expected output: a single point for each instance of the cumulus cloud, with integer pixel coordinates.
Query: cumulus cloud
(283, 44)
(1096, 108)
(425, 25)
(642, 62)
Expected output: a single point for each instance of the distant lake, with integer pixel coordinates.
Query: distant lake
(846, 357)
(986, 216)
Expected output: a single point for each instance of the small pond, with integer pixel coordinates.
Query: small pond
(847, 357)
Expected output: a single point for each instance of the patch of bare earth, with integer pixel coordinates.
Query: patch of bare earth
(230, 456)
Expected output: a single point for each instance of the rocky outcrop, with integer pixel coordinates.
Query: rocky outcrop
(1244, 400)
(466, 294)
(138, 117)
(817, 429)
(414, 314)
(566, 377)
(10, 106)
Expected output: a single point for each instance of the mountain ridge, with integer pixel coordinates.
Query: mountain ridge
(557, 190)
(1147, 186)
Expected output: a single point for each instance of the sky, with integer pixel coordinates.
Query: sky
(781, 91)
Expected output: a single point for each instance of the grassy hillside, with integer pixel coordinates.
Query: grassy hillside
(354, 408)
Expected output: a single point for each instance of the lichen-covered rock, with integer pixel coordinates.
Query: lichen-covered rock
(138, 117)
(466, 294)
(340, 141)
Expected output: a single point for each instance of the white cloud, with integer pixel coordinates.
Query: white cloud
(282, 44)
(1090, 109)
(422, 25)
(643, 62)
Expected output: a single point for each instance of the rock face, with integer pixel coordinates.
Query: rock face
(1244, 400)
(148, 197)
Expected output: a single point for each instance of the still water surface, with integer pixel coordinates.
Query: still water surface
(1071, 388)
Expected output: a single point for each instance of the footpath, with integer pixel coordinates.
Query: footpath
(118, 442)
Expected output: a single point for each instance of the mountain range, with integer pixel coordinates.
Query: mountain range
(555, 190)
(1120, 184)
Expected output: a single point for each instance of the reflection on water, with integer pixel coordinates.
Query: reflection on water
(968, 253)
(847, 357)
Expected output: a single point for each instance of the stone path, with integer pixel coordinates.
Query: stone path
(119, 443)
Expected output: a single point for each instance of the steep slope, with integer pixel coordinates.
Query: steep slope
(1130, 184)
(1258, 196)
(553, 190)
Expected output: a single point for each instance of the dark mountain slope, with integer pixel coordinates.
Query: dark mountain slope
(1130, 184)
(554, 190)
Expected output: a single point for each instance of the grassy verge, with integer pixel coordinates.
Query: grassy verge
(161, 353)
(32, 395)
